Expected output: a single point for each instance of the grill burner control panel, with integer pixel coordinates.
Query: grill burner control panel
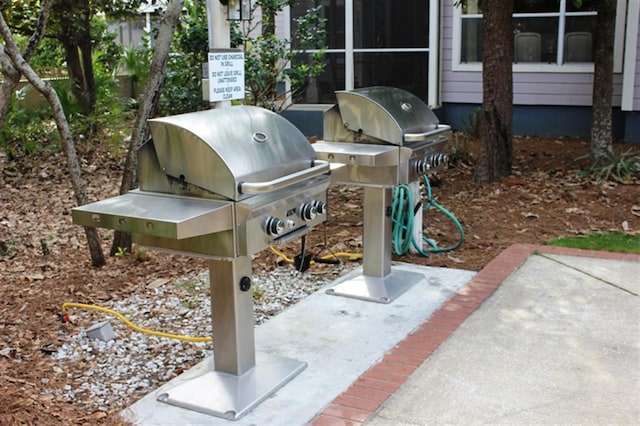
(302, 215)
(427, 157)
(431, 163)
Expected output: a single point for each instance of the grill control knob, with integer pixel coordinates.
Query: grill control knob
(320, 206)
(273, 226)
(437, 160)
(422, 166)
(307, 212)
(442, 159)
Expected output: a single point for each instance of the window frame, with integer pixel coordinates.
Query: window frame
(532, 67)
(434, 86)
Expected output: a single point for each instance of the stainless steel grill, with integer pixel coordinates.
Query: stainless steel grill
(223, 184)
(384, 137)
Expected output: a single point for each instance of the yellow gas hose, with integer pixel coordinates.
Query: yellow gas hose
(329, 256)
(65, 306)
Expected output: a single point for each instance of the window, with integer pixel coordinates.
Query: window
(547, 34)
(374, 42)
(391, 44)
(332, 79)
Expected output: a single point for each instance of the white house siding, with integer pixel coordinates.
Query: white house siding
(636, 86)
(539, 88)
(282, 26)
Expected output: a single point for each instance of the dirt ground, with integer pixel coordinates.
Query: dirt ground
(44, 258)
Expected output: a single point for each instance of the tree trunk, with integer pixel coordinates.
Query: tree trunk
(75, 37)
(601, 133)
(86, 56)
(11, 76)
(496, 138)
(76, 75)
(148, 105)
(77, 183)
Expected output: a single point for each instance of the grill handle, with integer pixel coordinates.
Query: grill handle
(320, 167)
(417, 137)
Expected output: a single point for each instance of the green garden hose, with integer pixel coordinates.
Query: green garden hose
(402, 217)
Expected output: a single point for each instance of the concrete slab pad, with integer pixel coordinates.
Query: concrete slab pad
(624, 274)
(552, 345)
(338, 337)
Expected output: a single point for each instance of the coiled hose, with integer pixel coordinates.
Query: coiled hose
(402, 217)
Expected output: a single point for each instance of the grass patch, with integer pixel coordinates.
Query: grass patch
(614, 241)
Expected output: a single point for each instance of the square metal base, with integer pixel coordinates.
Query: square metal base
(377, 289)
(229, 396)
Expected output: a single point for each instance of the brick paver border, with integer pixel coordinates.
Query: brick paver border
(367, 394)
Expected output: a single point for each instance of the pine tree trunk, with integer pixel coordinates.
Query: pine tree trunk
(148, 105)
(496, 150)
(601, 132)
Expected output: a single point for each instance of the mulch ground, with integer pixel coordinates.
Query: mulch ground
(44, 259)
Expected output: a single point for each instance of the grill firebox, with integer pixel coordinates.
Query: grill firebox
(223, 184)
(384, 137)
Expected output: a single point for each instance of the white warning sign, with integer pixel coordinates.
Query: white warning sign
(226, 75)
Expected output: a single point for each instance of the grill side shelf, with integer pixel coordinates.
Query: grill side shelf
(357, 154)
(157, 214)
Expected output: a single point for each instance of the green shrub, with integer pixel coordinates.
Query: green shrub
(28, 130)
(621, 167)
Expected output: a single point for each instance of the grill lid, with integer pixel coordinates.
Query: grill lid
(220, 149)
(387, 113)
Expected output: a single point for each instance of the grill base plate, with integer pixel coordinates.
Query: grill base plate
(229, 396)
(377, 289)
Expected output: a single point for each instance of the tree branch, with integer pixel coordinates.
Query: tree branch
(68, 144)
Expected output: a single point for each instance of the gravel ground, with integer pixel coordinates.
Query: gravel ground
(106, 375)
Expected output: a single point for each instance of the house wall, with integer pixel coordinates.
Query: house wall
(632, 122)
(282, 25)
(529, 88)
(545, 103)
(636, 86)
(129, 32)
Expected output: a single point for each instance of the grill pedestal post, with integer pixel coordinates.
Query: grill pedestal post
(378, 282)
(232, 316)
(241, 378)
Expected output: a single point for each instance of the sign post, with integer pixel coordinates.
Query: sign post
(219, 38)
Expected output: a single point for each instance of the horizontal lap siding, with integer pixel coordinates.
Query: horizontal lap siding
(566, 89)
(457, 87)
(529, 88)
(636, 86)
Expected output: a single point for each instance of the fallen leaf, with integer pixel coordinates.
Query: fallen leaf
(574, 210)
(34, 277)
(157, 283)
